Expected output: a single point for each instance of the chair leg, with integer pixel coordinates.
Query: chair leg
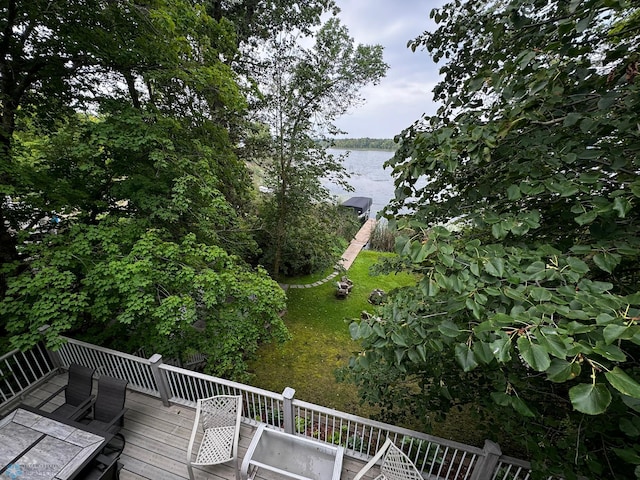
(190, 468)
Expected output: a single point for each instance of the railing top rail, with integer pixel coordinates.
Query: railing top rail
(9, 354)
(221, 381)
(109, 351)
(391, 428)
(514, 461)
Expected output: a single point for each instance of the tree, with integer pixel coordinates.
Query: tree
(302, 91)
(525, 234)
(117, 120)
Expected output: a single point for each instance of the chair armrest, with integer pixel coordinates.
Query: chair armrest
(373, 460)
(117, 418)
(194, 430)
(81, 410)
(51, 397)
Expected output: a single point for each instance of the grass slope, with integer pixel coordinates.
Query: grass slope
(319, 326)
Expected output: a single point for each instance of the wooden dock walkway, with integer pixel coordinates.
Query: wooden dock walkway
(357, 244)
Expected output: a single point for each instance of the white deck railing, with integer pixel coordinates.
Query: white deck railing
(436, 458)
(20, 371)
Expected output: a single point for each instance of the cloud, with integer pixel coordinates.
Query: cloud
(405, 94)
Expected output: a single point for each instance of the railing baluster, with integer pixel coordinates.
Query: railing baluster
(358, 435)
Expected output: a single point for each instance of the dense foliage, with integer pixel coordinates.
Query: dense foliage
(525, 233)
(119, 126)
(302, 91)
(127, 212)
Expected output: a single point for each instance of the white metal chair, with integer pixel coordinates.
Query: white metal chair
(219, 419)
(395, 465)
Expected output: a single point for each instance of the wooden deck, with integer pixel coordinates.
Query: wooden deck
(157, 439)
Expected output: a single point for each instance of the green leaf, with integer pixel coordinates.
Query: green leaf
(495, 267)
(573, 5)
(553, 343)
(540, 294)
(623, 382)
(501, 398)
(571, 119)
(610, 352)
(354, 330)
(465, 357)
(521, 407)
(589, 398)
(629, 427)
(532, 353)
(448, 329)
(430, 288)
(513, 192)
(483, 352)
(607, 261)
(526, 58)
(365, 330)
(583, 24)
(632, 403)
(628, 455)
(398, 339)
(577, 265)
(613, 332)
(560, 370)
(586, 218)
(607, 100)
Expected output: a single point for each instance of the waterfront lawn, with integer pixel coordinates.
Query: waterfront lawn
(319, 326)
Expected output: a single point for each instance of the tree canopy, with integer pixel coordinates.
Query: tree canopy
(302, 90)
(124, 204)
(523, 193)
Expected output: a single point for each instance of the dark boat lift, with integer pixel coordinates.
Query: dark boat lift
(360, 205)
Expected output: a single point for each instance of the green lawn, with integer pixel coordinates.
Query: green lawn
(319, 325)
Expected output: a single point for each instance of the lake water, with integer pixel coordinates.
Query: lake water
(368, 177)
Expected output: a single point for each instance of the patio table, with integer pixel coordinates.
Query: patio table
(291, 456)
(36, 445)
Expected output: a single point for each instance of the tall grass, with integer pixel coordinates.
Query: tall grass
(382, 238)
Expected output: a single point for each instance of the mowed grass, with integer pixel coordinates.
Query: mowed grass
(320, 343)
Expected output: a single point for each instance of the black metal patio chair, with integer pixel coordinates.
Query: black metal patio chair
(77, 393)
(105, 467)
(107, 411)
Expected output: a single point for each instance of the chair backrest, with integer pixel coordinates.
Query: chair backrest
(219, 411)
(79, 384)
(397, 466)
(112, 393)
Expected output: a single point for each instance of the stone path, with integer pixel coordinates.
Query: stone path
(348, 257)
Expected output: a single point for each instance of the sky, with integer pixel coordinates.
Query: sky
(404, 95)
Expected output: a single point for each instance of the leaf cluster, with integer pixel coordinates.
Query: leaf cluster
(523, 198)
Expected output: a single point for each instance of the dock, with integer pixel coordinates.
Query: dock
(357, 244)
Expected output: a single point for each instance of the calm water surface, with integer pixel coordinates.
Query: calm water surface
(368, 177)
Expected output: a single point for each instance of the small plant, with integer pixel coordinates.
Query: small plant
(335, 437)
(301, 424)
(354, 442)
